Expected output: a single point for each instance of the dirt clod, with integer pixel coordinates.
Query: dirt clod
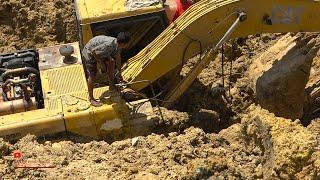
(30, 24)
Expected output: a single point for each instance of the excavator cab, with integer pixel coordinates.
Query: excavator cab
(142, 20)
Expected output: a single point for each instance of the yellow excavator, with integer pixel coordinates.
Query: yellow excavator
(44, 91)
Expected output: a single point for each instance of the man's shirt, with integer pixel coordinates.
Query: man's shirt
(181, 8)
(105, 46)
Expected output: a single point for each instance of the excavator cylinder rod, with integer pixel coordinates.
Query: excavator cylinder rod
(242, 16)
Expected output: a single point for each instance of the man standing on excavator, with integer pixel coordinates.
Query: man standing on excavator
(182, 5)
(104, 50)
(174, 8)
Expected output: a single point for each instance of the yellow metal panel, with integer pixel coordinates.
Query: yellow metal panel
(23, 116)
(92, 11)
(86, 34)
(50, 57)
(81, 123)
(36, 126)
(107, 117)
(83, 119)
(64, 80)
(89, 122)
(53, 106)
(104, 114)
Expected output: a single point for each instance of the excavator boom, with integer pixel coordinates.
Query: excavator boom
(205, 24)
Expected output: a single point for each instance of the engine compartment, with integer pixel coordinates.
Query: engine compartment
(20, 83)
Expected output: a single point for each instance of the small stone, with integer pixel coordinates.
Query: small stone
(153, 171)
(64, 162)
(146, 176)
(59, 4)
(243, 154)
(251, 129)
(36, 174)
(97, 160)
(256, 151)
(56, 146)
(47, 143)
(297, 121)
(200, 170)
(284, 176)
(255, 161)
(134, 170)
(173, 134)
(220, 177)
(134, 141)
(259, 171)
(266, 38)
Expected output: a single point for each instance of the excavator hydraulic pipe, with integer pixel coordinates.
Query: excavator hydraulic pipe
(18, 71)
(242, 16)
(16, 106)
(15, 82)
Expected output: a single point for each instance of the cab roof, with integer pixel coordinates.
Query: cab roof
(93, 11)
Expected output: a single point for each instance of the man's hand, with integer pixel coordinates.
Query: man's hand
(100, 61)
(95, 103)
(112, 59)
(118, 76)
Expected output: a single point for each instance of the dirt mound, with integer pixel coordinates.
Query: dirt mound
(289, 148)
(192, 154)
(29, 24)
(262, 146)
(176, 121)
(238, 91)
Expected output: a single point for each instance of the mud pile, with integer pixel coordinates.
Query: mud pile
(237, 87)
(28, 24)
(274, 70)
(291, 150)
(262, 146)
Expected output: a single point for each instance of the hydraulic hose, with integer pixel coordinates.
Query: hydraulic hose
(18, 71)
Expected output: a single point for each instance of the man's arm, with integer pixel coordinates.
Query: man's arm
(118, 61)
(99, 60)
(118, 66)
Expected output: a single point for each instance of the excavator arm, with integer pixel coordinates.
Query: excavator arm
(207, 24)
